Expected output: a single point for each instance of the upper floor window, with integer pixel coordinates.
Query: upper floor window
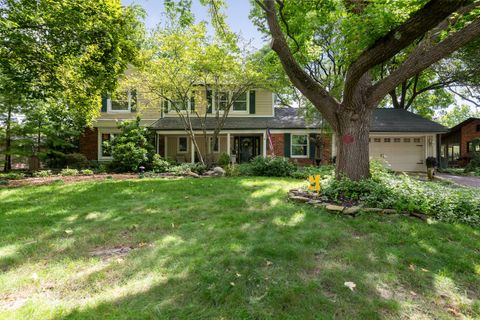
(478, 127)
(240, 104)
(299, 145)
(123, 101)
(221, 100)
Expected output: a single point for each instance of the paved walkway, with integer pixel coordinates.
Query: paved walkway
(461, 180)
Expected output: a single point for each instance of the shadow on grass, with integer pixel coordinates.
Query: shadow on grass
(234, 248)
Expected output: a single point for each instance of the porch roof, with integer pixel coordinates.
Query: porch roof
(383, 120)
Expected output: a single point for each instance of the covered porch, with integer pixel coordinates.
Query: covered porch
(241, 146)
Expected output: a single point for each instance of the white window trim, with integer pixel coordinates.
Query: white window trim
(246, 111)
(100, 156)
(308, 146)
(129, 98)
(210, 145)
(178, 144)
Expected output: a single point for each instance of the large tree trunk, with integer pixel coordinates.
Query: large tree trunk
(8, 142)
(352, 134)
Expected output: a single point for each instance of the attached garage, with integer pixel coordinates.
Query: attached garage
(403, 140)
(399, 153)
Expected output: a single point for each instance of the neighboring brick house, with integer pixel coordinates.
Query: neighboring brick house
(400, 138)
(457, 142)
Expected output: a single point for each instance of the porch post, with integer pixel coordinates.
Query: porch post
(157, 140)
(264, 151)
(165, 149)
(228, 144)
(192, 151)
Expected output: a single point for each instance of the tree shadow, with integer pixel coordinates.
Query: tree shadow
(234, 248)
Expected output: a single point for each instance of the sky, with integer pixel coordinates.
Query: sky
(237, 12)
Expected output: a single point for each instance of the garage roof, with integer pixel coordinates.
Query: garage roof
(384, 120)
(399, 120)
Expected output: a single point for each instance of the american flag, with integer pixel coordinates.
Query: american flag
(270, 142)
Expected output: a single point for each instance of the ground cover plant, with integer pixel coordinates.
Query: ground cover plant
(231, 248)
(404, 193)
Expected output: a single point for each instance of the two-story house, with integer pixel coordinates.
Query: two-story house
(254, 125)
(401, 139)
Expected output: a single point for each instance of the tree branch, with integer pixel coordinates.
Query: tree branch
(422, 58)
(320, 98)
(398, 39)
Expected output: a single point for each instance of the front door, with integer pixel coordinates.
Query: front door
(247, 148)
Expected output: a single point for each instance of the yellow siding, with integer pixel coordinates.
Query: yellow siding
(264, 102)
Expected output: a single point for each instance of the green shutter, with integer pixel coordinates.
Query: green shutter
(133, 100)
(252, 101)
(312, 145)
(104, 103)
(192, 102)
(209, 101)
(286, 144)
(165, 106)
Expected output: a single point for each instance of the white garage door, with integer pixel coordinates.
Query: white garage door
(399, 153)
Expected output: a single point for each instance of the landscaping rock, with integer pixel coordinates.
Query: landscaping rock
(299, 199)
(192, 174)
(218, 171)
(351, 210)
(333, 207)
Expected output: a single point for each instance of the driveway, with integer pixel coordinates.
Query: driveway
(461, 180)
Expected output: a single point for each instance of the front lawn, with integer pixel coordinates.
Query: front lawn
(226, 248)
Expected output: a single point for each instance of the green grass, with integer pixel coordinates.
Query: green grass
(230, 248)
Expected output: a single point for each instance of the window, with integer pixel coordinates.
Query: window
(397, 140)
(221, 100)
(214, 147)
(182, 145)
(299, 145)
(377, 140)
(478, 127)
(123, 101)
(417, 140)
(178, 105)
(470, 147)
(106, 144)
(407, 140)
(386, 140)
(240, 104)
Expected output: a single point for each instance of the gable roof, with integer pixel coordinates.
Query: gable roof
(399, 120)
(383, 120)
(461, 124)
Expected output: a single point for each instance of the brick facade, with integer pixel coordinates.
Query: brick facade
(89, 144)
(468, 133)
(278, 140)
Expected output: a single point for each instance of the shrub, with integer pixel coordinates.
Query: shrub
(42, 173)
(431, 162)
(69, 172)
(231, 170)
(12, 176)
(160, 165)
(87, 172)
(305, 172)
(244, 169)
(272, 167)
(406, 194)
(184, 168)
(76, 161)
(132, 148)
(4, 183)
(224, 159)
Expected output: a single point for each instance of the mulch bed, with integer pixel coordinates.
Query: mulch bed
(66, 179)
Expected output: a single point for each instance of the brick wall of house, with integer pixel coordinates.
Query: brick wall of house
(89, 144)
(469, 132)
(278, 141)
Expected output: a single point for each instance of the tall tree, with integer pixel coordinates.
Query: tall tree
(366, 35)
(70, 51)
(198, 77)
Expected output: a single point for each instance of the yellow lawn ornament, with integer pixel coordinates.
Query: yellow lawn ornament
(314, 183)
